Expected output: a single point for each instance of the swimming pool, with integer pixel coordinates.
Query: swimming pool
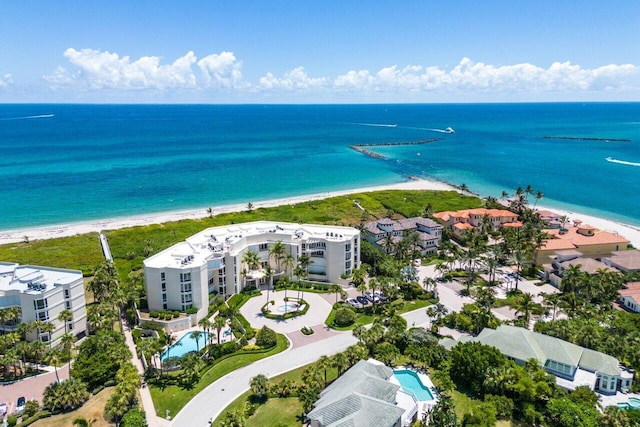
(185, 345)
(410, 383)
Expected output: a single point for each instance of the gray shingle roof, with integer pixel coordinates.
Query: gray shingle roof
(361, 397)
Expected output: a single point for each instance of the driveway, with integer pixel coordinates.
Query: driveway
(318, 311)
(31, 388)
(210, 402)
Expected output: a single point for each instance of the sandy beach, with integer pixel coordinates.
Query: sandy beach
(47, 232)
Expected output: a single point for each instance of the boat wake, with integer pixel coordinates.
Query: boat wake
(41, 116)
(381, 125)
(447, 130)
(622, 162)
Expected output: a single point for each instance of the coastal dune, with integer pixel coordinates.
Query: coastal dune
(632, 233)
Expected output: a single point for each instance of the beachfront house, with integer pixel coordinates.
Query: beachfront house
(212, 262)
(572, 365)
(630, 296)
(588, 240)
(381, 231)
(625, 261)
(42, 293)
(469, 219)
(562, 260)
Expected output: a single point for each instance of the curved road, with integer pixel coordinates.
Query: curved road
(210, 402)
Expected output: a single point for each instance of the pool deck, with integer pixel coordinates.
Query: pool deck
(423, 406)
(614, 399)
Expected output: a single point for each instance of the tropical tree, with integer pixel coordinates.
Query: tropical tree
(259, 386)
(336, 289)
(268, 274)
(65, 396)
(277, 252)
(340, 362)
(196, 335)
(519, 258)
(324, 363)
(53, 358)
(525, 305)
(67, 341)
(65, 317)
(219, 322)
(251, 259)
(104, 281)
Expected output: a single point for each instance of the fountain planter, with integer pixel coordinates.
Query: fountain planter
(301, 309)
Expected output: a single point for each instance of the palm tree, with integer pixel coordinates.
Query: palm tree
(169, 341)
(539, 195)
(67, 341)
(268, 274)
(83, 422)
(288, 262)
(551, 301)
(205, 324)
(525, 305)
(519, 258)
(219, 322)
(277, 252)
(195, 335)
(249, 207)
(336, 289)
(259, 385)
(324, 363)
(210, 212)
(48, 328)
(65, 316)
(252, 259)
(53, 358)
(340, 362)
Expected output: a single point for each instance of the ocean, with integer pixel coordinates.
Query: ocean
(67, 163)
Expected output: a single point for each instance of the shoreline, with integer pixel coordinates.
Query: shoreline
(632, 233)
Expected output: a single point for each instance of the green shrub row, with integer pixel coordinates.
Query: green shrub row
(285, 316)
(164, 315)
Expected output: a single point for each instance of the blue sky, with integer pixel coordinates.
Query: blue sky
(317, 52)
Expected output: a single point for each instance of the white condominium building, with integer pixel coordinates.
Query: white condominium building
(212, 262)
(42, 293)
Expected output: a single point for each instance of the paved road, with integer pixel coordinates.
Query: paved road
(210, 402)
(32, 387)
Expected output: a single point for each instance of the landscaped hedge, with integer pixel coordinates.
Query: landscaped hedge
(288, 315)
(38, 416)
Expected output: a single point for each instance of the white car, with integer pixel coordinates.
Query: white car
(20, 404)
(3, 409)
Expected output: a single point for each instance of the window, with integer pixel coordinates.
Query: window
(66, 293)
(46, 337)
(164, 306)
(164, 298)
(43, 315)
(162, 277)
(347, 256)
(164, 287)
(347, 247)
(347, 265)
(612, 385)
(185, 277)
(67, 305)
(263, 247)
(211, 280)
(186, 307)
(185, 287)
(187, 298)
(70, 326)
(40, 304)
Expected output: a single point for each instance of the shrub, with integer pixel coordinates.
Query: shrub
(153, 314)
(266, 337)
(30, 408)
(344, 317)
(12, 420)
(192, 310)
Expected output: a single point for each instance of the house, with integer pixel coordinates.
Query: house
(625, 261)
(588, 240)
(211, 262)
(42, 293)
(380, 231)
(562, 260)
(362, 397)
(572, 365)
(630, 296)
(469, 219)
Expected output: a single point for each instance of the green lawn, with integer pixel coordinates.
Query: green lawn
(173, 398)
(278, 412)
(293, 375)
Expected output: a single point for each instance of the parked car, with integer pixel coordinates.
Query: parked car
(362, 300)
(381, 295)
(3, 409)
(21, 404)
(354, 303)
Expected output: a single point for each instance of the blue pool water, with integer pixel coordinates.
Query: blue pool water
(411, 384)
(185, 345)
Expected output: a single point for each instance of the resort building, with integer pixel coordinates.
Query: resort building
(588, 240)
(380, 232)
(369, 394)
(469, 219)
(42, 293)
(625, 261)
(630, 296)
(562, 260)
(572, 365)
(190, 273)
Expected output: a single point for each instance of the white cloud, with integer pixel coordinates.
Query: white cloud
(6, 80)
(292, 80)
(479, 77)
(106, 70)
(221, 70)
(94, 69)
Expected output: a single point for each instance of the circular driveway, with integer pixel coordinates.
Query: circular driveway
(318, 311)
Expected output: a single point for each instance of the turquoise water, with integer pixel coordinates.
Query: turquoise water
(411, 383)
(185, 345)
(67, 163)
